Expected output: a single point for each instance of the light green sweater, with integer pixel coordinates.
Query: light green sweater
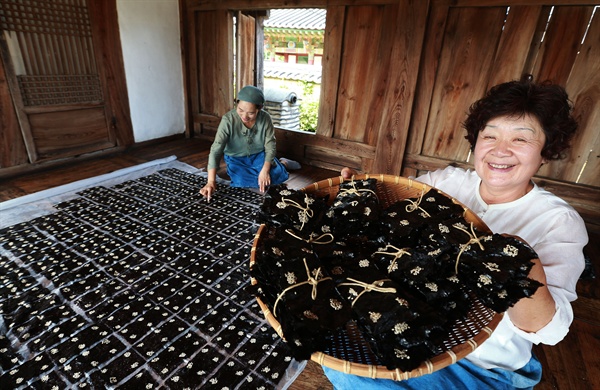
(236, 140)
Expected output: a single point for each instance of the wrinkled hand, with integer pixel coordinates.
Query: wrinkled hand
(208, 190)
(264, 180)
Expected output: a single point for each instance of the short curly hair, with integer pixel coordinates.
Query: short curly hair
(547, 102)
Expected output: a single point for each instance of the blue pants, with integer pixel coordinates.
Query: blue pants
(243, 171)
(462, 375)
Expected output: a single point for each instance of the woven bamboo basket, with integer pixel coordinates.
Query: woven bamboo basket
(348, 351)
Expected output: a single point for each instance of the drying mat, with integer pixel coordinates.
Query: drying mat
(347, 350)
(138, 285)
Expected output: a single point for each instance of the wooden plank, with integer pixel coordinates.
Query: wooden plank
(399, 85)
(316, 153)
(270, 4)
(587, 309)
(465, 61)
(589, 335)
(560, 370)
(292, 139)
(583, 88)
(245, 58)
(17, 99)
(111, 70)
(12, 145)
(68, 133)
(562, 42)
(332, 50)
(500, 3)
(535, 48)
(513, 48)
(215, 61)
(259, 44)
(282, 4)
(312, 377)
(205, 119)
(360, 93)
(188, 68)
(432, 46)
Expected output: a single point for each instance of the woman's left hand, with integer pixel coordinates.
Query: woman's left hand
(264, 180)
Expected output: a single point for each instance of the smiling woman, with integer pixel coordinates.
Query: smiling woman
(515, 128)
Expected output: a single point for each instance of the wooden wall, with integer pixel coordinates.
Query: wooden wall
(399, 76)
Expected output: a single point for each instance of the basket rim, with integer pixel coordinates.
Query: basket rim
(437, 362)
(382, 177)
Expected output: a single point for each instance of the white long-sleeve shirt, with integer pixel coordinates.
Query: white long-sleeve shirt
(554, 230)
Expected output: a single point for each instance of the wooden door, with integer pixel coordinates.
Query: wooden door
(245, 72)
(59, 84)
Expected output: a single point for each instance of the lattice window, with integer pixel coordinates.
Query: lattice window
(56, 17)
(67, 89)
(52, 42)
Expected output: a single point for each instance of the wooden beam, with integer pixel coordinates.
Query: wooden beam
(12, 145)
(205, 119)
(392, 136)
(509, 3)
(184, 27)
(204, 5)
(331, 67)
(583, 198)
(17, 98)
(291, 139)
(107, 40)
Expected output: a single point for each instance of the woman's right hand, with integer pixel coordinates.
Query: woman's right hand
(347, 173)
(208, 190)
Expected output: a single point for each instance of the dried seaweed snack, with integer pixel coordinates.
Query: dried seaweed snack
(279, 243)
(301, 337)
(291, 208)
(310, 294)
(417, 263)
(499, 276)
(355, 210)
(444, 294)
(453, 232)
(342, 251)
(401, 222)
(273, 249)
(401, 330)
(425, 272)
(307, 304)
(439, 205)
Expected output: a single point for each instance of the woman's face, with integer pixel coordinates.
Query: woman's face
(247, 112)
(507, 155)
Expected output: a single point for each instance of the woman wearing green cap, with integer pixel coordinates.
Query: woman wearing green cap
(246, 140)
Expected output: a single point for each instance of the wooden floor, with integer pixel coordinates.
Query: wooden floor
(572, 364)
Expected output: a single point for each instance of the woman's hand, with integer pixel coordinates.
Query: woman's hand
(264, 179)
(208, 190)
(347, 173)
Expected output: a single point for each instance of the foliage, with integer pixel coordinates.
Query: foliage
(309, 108)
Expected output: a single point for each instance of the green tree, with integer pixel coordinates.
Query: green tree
(309, 108)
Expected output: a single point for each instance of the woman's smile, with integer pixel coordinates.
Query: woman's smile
(507, 155)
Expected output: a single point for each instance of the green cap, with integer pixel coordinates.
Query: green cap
(252, 95)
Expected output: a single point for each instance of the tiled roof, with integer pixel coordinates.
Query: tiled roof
(284, 70)
(306, 18)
